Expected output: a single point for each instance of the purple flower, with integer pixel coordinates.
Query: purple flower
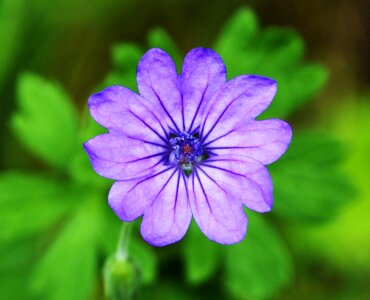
(188, 145)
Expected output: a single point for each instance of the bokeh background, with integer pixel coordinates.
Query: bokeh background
(56, 230)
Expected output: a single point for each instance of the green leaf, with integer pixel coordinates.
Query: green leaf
(16, 258)
(125, 59)
(10, 287)
(46, 122)
(308, 185)
(158, 38)
(237, 33)
(284, 47)
(69, 267)
(202, 256)
(349, 232)
(259, 266)
(315, 148)
(30, 203)
(12, 14)
(273, 52)
(10, 284)
(295, 90)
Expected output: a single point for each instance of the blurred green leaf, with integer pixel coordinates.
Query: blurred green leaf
(145, 259)
(315, 148)
(68, 269)
(237, 33)
(10, 287)
(125, 59)
(16, 258)
(308, 184)
(15, 255)
(350, 231)
(11, 16)
(166, 291)
(81, 171)
(283, 47)
(30, 203)
(45, 122)
(158, 38)
(275, 53)
(202, 257)
(260, 265)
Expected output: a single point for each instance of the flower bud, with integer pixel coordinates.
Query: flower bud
(121, 278)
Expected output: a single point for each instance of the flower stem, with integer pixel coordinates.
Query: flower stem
(123, 241)
(120, 273)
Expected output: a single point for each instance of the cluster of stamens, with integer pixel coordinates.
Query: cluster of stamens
(186, 150)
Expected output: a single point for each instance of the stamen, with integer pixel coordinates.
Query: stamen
(186, 150)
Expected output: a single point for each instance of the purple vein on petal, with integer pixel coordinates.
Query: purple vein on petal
(148, 142)
(147, 157)
(185, 184)
(162, 160)
(204, 192)
(166, 111)
(147, 125)
(160, 123)
(219, 118)
(150, 177)
(196, 112)
(177, 190)
(208, 203)
(222, 169)
(196, 130)
(230, 147)
(163, 187)
(182, 112)
(145, 179)
(210, 152)
(216, 139)
(211, 178)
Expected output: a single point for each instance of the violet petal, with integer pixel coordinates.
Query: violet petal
(157, 83)
(119, 157)
(242, 179)
(129, 199)
(119, 109)
(203, 73)
(264, 141)
(219, 216)
(167, 219)
(241, 99)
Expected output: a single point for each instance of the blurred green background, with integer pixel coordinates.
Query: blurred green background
(56, 227)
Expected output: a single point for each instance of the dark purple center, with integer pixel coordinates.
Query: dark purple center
(186, 149)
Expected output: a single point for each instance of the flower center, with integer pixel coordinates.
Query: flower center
(186, 150)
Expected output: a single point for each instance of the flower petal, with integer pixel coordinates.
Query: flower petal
(242, 179)
(119, 109)
(241, 99)
(264, 141)
(119, 157)
(129, 199)
(203, 73)
(219, 216)
(167, 219)
(157, 82)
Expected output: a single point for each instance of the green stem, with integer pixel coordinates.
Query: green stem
(123, 241)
